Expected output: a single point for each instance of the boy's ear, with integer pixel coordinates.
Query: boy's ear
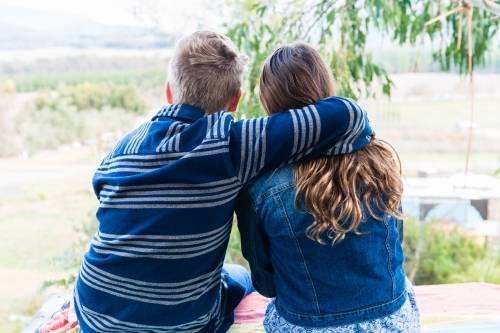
(235, 99)
(168, 92)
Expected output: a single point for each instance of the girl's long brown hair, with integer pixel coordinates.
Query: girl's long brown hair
(338, 191)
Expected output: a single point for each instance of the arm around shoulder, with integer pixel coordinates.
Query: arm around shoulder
(332, 126)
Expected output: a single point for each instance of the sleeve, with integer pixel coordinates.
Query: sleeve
(332, 126)
(255, 244)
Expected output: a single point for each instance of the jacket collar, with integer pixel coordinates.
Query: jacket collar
(184, 111)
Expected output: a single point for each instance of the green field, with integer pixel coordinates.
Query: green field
(38, 223)
(146, 78)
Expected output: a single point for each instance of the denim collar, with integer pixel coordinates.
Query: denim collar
(184, 111)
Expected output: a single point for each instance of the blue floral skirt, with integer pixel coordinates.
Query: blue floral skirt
(406, 319)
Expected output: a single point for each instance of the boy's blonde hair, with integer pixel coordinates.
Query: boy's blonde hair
(205, 70)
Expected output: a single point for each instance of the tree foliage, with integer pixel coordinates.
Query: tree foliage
(8, 142)
(94, 96)
(83, 113)
(340, 29)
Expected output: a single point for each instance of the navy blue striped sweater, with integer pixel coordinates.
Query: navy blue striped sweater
(167, 193)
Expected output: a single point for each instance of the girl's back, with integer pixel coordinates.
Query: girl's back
(317, 284)
(322, 236)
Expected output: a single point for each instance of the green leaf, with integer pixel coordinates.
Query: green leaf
(386, 89)
(330, 17)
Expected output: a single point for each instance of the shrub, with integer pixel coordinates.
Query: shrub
(233, 254)
(71, 259)
(94, 96)
(81, 113)
(7, 87)
(434, 255)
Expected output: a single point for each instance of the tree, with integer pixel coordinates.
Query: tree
(8, 142)
(340, 29)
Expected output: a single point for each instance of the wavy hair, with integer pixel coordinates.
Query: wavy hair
(338, 191)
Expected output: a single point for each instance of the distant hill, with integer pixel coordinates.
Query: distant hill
(23, 28)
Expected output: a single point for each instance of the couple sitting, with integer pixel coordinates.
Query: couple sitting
(316, 195)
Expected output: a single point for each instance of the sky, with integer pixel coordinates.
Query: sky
(185, 15)
(106, 11)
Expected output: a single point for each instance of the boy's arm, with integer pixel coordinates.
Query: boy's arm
(255, 244)
(331, 126)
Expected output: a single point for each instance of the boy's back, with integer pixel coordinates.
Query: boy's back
(166, 206)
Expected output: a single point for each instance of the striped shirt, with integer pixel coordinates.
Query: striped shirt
(166, 199)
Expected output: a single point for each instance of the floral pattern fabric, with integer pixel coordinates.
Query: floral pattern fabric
(406, 319)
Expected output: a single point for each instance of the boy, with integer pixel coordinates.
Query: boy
(167, 194)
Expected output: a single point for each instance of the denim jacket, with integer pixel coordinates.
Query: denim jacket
(358, 278)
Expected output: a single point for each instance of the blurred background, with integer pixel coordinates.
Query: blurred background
(76, 76)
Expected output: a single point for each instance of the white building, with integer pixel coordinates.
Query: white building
(459, 199)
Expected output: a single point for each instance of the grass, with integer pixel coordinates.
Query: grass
(427, 135)
(37, 225)
(44, 219)
(431, 115)
(6, 307)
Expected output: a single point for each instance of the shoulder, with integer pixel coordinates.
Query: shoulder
(271, 182)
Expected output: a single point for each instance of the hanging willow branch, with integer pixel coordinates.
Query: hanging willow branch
(466, 5)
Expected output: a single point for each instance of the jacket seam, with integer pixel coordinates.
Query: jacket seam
(260, 271)
(274, 191)
(389, 262)
(304, 264)
(254, 251)
(342, 314)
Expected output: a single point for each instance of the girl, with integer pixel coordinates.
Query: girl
(321, 236)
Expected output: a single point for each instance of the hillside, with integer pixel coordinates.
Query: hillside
(22, 28)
